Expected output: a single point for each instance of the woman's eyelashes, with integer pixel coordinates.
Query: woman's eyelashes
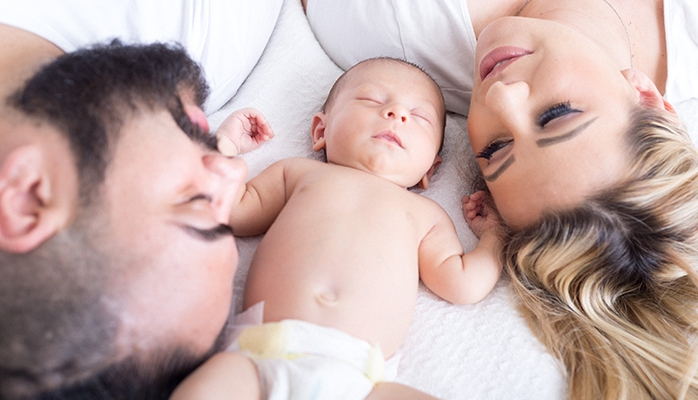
(492, 148)
(550, 114)
(554, 112)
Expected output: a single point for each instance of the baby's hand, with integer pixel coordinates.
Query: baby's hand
(244, 130)
(478, 215)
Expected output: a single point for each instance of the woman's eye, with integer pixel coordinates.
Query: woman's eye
(492, 148)
(554, 112)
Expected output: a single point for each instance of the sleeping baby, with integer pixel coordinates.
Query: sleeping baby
(332, 287)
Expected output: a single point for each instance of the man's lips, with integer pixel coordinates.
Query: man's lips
(388, 135)
(498, 59)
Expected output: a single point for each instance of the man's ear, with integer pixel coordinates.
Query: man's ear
(647, 90)
(317, 131)
(424, 183)
(28, 216)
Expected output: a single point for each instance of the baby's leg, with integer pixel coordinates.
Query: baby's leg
(226, 375)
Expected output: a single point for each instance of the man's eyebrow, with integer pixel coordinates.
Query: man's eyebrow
(193, 131)
(500, 170)
(202, 137)
(565, 136)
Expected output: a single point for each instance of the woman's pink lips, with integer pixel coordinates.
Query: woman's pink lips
(499, 58)
(388, 135)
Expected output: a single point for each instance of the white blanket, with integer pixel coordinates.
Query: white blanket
(482, 351)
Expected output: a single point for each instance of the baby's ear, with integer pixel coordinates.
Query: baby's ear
(424, 183)
(317, 131)
(29, 211)
(647, 90)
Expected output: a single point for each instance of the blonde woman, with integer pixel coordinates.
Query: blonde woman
(609, 285)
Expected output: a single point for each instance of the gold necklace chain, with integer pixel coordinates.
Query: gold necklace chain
(625, 27)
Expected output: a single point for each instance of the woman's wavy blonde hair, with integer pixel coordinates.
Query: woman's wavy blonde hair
(610, 287)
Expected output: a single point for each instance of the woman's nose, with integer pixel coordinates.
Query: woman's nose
(509, 102)
(229, 176)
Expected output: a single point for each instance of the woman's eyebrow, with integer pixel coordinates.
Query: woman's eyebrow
(542, 143)
(502, 168)
(565, 136)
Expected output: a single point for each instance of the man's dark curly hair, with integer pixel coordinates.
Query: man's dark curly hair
(57, 335)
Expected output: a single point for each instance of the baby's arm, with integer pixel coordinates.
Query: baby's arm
(445, 269)
(259, 201)
(242, 131)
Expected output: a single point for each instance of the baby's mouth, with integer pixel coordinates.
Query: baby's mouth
(389, 136)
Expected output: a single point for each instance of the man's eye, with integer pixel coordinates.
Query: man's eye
(556, 111)
(200, 197)
(211, 235)
(492, 148)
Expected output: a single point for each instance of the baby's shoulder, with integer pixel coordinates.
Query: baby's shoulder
(301, 171)
(429, 208)
(299, 165)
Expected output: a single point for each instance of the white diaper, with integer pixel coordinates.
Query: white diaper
(301, 360)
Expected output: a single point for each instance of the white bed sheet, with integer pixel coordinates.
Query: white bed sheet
(481, 351)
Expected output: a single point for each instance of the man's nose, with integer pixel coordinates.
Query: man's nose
(510, 103)
(229, 176)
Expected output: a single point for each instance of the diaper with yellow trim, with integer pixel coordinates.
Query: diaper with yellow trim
(302, 360)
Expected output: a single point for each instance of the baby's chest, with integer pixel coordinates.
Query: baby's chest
(374, 208)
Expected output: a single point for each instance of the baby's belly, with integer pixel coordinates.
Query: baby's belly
(372, 302)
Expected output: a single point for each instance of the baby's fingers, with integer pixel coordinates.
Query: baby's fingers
(260, 126)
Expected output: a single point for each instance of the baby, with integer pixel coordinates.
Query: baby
(346, 243)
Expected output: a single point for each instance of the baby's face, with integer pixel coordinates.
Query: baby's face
(386, 119)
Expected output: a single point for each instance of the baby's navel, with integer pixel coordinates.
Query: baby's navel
(327, 298)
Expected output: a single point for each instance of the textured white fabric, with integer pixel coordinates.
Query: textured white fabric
(681, 26)
(435, 34)
(478, 352)
(225, 36)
